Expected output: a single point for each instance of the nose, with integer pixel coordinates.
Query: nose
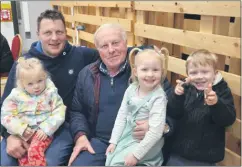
(36, 86)
(110, 48)
(54, 36)
(149, 73)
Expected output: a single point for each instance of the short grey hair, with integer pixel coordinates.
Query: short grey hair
(114, 26)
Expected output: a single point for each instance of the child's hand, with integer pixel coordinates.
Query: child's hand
(130, 160)
(210, 96)
(41, 135)
(28, 133)
(110, 148)
(179, 90)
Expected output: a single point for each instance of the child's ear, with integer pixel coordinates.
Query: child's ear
(135, 72)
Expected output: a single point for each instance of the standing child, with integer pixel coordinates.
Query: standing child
(144, 99)
(33, 110)
(204, 105)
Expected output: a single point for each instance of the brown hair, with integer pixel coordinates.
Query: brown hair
(202, 57)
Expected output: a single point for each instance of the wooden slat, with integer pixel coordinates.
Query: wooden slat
(63, 3)
(178, 66)
(192, 7)
(124, 4)
(86, 36)
(235, 129)
(70, 32)
(229, 46)
(99, 20)
(231, 159)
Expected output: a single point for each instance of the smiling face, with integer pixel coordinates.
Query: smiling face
(52, 34)
(148, 71)
(201, 76)
(112, 47)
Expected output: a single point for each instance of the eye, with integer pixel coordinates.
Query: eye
(115, 43)
(48, 33)
(59, 32)
(144, 69)
(39, 81)
(30, 84)
(104, 46)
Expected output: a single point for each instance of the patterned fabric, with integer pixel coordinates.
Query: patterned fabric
(35, 155)
(45, 111)
(133, 108)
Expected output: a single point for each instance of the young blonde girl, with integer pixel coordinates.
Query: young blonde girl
(144, 99)
(204, 106)
(33, 110)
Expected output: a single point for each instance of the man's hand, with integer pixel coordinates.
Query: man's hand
(130, 160)
(140, 130)
(16, 147)
(82, 144)
(210, 96)
(110, 148)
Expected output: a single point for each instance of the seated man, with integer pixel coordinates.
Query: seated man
(63, 61)
(99, 91)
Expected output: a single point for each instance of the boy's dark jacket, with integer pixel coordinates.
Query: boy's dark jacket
(200, 131)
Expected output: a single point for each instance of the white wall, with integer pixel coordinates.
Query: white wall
(7, 28)
(34, 10)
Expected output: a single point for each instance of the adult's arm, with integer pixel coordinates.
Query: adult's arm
(78, 111)
(6, 58)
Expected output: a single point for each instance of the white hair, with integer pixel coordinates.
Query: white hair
(114, 26)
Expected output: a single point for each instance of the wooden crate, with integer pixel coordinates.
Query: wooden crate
(182, 27)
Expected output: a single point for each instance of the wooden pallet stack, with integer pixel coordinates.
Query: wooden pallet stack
(181, 26)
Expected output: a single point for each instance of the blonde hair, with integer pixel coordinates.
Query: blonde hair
(110, 26)
(162, 54)
(202, 57)
(27, 66)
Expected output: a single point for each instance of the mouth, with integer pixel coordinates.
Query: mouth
(54, 45)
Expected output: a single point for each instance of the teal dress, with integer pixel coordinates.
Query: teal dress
(133, 108)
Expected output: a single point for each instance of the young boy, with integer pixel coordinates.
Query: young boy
(204, 106)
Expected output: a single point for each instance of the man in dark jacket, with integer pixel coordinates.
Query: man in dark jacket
(63, 61)
(6, 58)
(99, 91)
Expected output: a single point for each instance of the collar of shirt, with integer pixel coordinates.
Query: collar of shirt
(104, 69)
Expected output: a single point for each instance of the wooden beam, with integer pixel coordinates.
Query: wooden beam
(63, 3)
(219, 44)
(235, 129)
(86, 36)
(124, 4)
(226, 8)
(177, 65)
(99, 20)
(231, 159)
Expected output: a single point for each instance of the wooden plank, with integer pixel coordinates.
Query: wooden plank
(235, 129)
(213, 8)
(86, 36)
(120, 4)
(63, 3)
(99, 20)
(229, 46)
(140, 18)
(191, 25)
(231, 159)
(178, 66)
(70, 32)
